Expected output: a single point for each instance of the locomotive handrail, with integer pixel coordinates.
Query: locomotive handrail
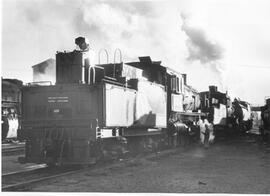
(99, 53)
(117, 49)
(120, 55)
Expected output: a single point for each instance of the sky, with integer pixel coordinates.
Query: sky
(216, 42)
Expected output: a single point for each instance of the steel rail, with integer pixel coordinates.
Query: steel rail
(17, 186)
(12, 150)
(40, 167)
(23, 185)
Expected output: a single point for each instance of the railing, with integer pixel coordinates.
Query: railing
(120, 56)
(91, 79)
(106, 52)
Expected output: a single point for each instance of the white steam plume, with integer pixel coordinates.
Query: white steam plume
(205, 50)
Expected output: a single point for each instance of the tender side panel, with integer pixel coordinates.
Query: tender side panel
(151, 105)
(120, 103)
(145, 107)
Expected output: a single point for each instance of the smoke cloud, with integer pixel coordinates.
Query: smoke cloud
(205, 50)
(201, 47)
(137, 28)
(107, 24)
(33, 30)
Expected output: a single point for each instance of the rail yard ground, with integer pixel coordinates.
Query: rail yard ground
(231, 165)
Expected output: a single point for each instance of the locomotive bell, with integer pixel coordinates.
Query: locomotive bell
(83, 43)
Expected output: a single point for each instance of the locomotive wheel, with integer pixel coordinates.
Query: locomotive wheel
(134, 145)
(108, 149)
(144, 144)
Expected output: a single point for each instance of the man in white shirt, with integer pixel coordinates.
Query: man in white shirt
(206, 131)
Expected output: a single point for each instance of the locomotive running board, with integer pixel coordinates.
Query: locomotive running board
(141, 131)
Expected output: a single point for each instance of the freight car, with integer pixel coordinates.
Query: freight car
(265, 115)
(100, 110)
(11, 108)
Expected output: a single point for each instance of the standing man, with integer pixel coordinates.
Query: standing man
(202, 128)
(206, 131)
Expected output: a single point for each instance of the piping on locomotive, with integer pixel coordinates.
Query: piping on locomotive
(99, 109)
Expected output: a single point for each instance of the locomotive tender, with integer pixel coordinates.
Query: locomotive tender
(93, 110)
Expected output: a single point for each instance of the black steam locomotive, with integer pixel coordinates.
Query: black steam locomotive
(224, 113)
(96, 110)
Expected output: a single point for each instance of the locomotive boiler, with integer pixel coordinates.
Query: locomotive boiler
(96, 110)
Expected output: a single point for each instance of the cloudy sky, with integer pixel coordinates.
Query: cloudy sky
(220, 42)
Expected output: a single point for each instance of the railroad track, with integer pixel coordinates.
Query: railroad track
(24, 180)
(13, 150)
